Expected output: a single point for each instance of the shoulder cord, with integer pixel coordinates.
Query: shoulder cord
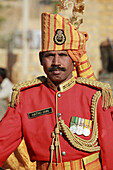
(55, 140)
(81, 144)
(106, 90)
(85, 145)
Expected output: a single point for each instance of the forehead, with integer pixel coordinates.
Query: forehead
(55, 52)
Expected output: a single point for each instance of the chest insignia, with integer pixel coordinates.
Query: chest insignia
(80, 126)
(40, 113)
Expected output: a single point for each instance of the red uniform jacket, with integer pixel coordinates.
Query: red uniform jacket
(36, 127)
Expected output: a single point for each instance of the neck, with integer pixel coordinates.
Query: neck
(56, 86)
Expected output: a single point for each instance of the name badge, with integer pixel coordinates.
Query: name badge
(40, 113)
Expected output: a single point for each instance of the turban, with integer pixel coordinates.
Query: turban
(59, 34)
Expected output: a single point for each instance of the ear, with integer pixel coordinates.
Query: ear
(40, 57)
(74, 63)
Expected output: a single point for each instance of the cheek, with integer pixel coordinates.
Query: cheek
(69, 64)
(46, 63)
(71, 68)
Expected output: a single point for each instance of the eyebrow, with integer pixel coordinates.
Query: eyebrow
(52, 54)
(47, 54)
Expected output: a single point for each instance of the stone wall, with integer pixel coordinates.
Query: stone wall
(16, 74)
(98, 24)
(3, 58)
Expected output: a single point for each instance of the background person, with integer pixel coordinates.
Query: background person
(5, 91)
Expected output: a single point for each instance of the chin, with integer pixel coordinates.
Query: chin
(56, 79)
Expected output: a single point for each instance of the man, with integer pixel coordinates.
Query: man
(5, 91)
(66, 122)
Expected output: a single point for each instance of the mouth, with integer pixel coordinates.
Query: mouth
(56, 72)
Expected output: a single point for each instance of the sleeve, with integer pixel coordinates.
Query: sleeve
(10, 133)
(105, 135)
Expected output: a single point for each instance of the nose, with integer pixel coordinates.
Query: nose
(56, 60)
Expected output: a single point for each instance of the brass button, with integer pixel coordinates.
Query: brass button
(63, 153)
(60, 133)
(59, 95)
(59, 114)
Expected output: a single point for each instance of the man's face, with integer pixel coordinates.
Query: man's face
(57, 65)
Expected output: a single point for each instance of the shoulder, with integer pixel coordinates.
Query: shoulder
(17, 88)
(93, 83)
(104, 88)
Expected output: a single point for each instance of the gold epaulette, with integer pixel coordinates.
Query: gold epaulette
(18, 87)
(104, 87)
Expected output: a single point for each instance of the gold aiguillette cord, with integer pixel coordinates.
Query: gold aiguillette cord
(55, 141)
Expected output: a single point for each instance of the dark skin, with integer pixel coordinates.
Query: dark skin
(57, 65)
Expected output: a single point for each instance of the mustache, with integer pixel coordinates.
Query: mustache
(55, 68)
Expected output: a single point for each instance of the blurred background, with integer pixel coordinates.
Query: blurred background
(20, 37)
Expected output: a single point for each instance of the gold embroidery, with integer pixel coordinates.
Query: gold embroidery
(67, 85)
(19, 86)
(106, 90)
